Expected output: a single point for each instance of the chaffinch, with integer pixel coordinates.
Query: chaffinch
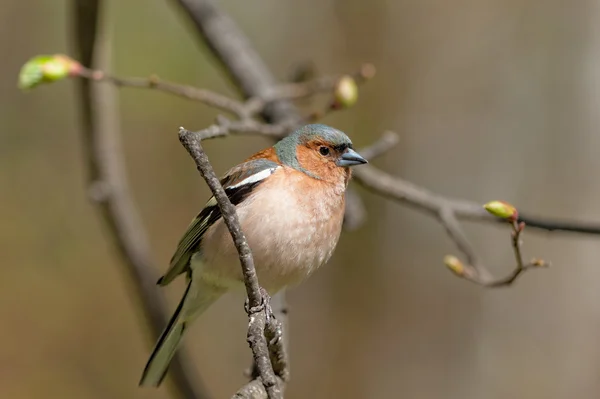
(290, 202)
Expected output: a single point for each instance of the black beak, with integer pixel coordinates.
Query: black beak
(350, 158)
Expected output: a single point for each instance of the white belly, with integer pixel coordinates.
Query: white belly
(290, 236)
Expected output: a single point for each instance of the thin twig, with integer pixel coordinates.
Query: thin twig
(258, 308)
(240, 60)
(109, 189)
(474, 272)
(252, 107)
(448, 211)
(323, 84)
(224, 127)
(207, 97)
(300, 90)
(521, 266)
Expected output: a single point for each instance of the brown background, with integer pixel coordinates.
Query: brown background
(492, 99)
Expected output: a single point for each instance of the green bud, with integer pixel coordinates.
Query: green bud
(346, 92)
(46, 69)
(502, 210)
(455, 265)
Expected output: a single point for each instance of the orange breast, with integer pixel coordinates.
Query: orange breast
(292, 224)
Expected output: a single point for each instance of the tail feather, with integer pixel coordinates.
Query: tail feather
(193, 303)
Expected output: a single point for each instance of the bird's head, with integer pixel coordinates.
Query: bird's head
(319, 151)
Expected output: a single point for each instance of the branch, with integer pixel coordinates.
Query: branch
(305, 89)
(207, 97)
(478, 274)
(323, 84)
(252, 107)
(109, 189)
(238, 57)
(258, 300)
(448, 212)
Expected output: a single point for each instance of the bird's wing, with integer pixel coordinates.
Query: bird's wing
(239, 182)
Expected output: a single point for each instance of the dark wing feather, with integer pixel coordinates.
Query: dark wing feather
(236, 192)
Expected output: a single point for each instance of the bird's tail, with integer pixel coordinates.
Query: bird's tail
(194, 302)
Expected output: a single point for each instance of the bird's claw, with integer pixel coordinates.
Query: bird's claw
(265, 304)
(277, 335)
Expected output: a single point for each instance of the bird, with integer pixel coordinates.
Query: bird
(290, 201)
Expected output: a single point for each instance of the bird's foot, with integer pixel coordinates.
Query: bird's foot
(265, 305)
(274, 333)
(266, 300)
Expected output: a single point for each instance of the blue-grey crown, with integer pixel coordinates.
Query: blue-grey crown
(319, 131)
(286, 147)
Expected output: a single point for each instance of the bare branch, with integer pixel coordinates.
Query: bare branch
(448, 211)
(456, 233)
(225, 126)
(238, 57)
(323, 84)
(295, 91)
(474, 271)
(252, 107)
(567, 226)
(207, 97)
(258, 300)
(109, 188)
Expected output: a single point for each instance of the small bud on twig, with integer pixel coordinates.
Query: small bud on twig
(455, 265)
(345, 92)
(153, 80)
(537, 262)
(502, 210)
(47, 69)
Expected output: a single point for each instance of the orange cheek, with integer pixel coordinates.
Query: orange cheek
(308, 159)
(324, 168)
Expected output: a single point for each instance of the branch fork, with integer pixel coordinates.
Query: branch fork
(473, 270)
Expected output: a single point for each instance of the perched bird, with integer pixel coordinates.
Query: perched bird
(290, 202)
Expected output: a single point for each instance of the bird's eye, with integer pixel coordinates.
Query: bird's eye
(324, 150)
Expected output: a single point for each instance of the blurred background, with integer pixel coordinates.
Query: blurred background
(492, 100)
